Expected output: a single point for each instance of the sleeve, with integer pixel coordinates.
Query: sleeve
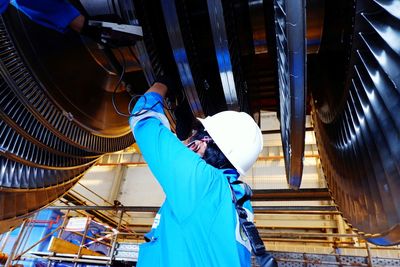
(183, 175)
(3, 5)
(53, 14)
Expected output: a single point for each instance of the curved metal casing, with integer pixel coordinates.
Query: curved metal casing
(291, 52)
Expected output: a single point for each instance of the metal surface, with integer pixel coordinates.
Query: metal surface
(55, 122)
(14, 175)
(314, 18)
(290, 195)
(56, 118)
(258, 26)
(125, 28)
(291, 50)
(18, 203)
(356, 121)
(180, 56)
(19, 117)
(220, 38)
(315, 24)
(61, 112)
(147, 49)
(27, 152)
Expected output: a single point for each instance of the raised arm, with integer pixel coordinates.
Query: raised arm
(183, 175)
(53, 14)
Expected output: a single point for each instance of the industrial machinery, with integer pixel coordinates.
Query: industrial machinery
(56, 91)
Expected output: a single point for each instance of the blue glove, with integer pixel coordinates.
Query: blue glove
(53, 14)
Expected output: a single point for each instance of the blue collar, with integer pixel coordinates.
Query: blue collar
(231, 174)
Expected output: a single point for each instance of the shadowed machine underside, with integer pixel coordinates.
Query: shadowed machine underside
(336, 60)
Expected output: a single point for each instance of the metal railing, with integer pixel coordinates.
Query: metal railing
(77, 258)
(335, 241)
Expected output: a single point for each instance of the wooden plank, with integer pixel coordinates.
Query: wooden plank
(59, 245)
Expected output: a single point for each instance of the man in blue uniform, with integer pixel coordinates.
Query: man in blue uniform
(197, 224)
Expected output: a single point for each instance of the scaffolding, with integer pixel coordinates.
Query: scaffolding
(311, 225)
(124, 243)
(119, 251)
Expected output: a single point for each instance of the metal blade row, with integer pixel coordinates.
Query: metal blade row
(360, 147)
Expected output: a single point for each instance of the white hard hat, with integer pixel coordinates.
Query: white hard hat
(238, 137)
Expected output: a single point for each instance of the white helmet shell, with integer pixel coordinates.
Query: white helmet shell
(238, 137)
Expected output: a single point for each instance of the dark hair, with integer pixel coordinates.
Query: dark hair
(213, 155)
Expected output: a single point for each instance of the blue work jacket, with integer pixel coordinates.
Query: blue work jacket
(197, 224)
(53, 14)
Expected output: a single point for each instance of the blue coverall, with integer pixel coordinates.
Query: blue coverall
(53, 14)
(197, 224)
